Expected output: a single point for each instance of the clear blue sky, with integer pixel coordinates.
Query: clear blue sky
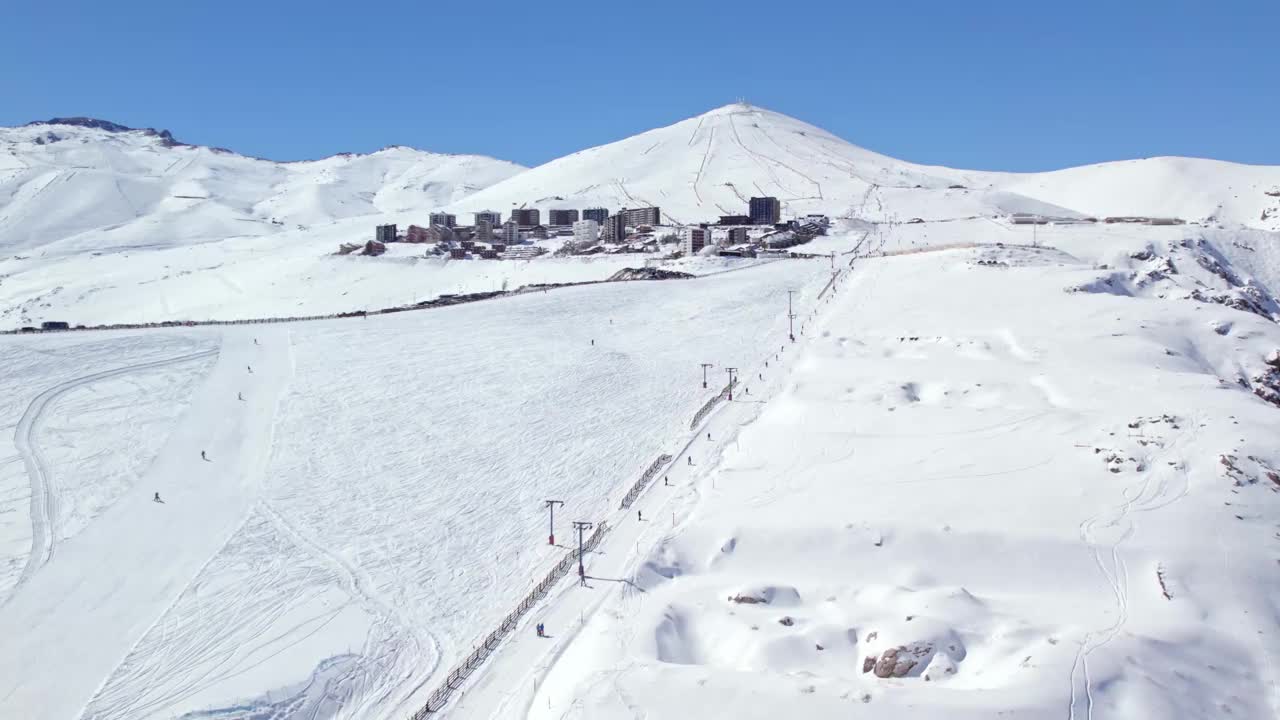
(994, 85)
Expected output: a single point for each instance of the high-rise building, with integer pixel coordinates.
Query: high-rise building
(493, 217)
(525, 217)
(693, 239)
(386, 234)
(445, 219)
(586, 232)
(765, 210)
(484, 230)
(642, 216)
(597, 214)
(562, 217)
(510, 233)
(614, 229)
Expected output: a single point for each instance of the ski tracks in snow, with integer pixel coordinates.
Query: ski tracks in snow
(1100, 534)
(362, 587)
(44, 493)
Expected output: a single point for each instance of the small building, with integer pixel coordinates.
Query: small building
(483, 230)
(525, 217)
(764, 210)
(374, 248)
(386, 233)
(416, 234)
(493, 217)
(1028, 219)
(538, 232)
(693, 239)
(60, 324)
(737, 236)
(511, 233)
(562, 217)
(448, 220)
(457, 253)
(586, 232)
(642, 216)
(734, 220)
(597, 214)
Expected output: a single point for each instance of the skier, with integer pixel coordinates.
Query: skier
(639, 516)
(255, 341)
(541, 630)
(240, 395)
(708, 436)
(203, 456)
(157, 498)
(666, 481)
(689, 458)
(593, 342)
(250, 369)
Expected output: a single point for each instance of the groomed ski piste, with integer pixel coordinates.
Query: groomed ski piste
(371, 507)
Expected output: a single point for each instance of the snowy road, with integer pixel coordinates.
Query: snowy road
(66, 628)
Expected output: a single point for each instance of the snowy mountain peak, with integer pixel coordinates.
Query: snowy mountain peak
(106, 125)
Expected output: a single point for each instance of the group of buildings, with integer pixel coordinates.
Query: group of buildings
(597, 230)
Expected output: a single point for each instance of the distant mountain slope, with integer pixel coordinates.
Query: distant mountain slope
(712, 164)
(101, 223)
(80, 184)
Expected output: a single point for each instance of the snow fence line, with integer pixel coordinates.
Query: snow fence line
(708, 406)
(648, 475)
(440, 696)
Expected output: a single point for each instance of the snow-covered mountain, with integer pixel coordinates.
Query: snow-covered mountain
(971, 468)
(83, 185)
(712, 164)
(101, 224)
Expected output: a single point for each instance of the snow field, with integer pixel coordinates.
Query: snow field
(1002, 503)
(81, 438)
(400, 513)
(74, 619)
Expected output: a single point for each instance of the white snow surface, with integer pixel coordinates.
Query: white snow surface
(1045, 504)
(1034, 465)
(116, 227)
(371, 507)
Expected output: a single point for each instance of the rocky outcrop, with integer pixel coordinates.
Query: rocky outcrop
(647, 273)
(166, 137)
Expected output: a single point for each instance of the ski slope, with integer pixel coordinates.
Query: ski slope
(372, 505)
(1064, 518)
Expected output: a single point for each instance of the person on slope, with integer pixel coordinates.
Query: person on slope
(203, 456)
(157, 498)
(639, 516)
(240, 396)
